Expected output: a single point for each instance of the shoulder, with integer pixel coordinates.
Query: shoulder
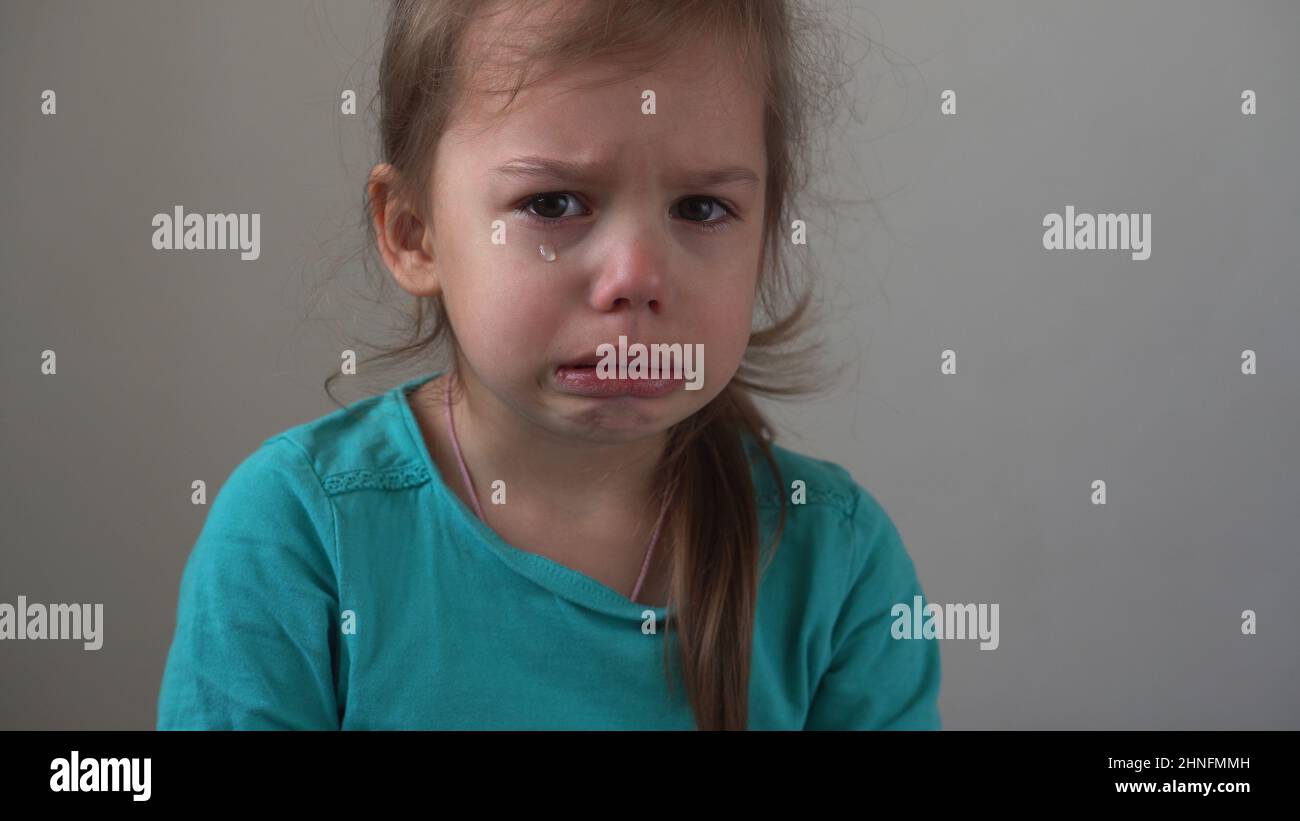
(367, 445)
(845, 567)
(287, 487)
(806, 480)
(277, 507)
(831, 519)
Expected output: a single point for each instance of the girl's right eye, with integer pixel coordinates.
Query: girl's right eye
(549, 208)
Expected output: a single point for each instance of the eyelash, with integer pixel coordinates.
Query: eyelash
(710, 227)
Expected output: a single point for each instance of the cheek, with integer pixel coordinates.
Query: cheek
(726, 324)
(731, 300)
(492, 292)
(502, 323)
(504, 310)
(732, 338)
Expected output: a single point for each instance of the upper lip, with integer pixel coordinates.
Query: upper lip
(589, 356)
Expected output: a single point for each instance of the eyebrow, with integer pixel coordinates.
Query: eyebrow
(534, 167)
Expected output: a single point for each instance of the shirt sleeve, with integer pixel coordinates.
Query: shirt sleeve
(874, 681)
(257, 622)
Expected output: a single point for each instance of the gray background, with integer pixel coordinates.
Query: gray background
(1071, 366)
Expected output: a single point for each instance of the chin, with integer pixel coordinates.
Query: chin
(623, 419)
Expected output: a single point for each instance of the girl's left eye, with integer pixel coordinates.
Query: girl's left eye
(550, 209)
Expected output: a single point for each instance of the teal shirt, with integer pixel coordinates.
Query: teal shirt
(338, 583)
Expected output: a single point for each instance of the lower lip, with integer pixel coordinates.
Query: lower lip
(584, 382)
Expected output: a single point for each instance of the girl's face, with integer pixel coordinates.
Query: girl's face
(655, 222)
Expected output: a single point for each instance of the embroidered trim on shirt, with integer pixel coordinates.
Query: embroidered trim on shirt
(365, 479)
(843, 501)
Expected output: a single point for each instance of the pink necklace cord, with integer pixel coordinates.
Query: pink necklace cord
(460, 460)
(654, 539)
(478, 509)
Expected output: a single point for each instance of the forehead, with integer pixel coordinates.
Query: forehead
(708, 108)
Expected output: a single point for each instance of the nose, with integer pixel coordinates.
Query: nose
(632, 276)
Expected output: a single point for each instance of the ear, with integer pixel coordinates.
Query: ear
(405, 242)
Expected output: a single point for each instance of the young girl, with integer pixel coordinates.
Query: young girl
(517, 541)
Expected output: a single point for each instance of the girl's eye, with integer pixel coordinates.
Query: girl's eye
(703, 213)
(550, 207)
(696, 211)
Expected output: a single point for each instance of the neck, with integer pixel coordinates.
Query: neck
(583, 480)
